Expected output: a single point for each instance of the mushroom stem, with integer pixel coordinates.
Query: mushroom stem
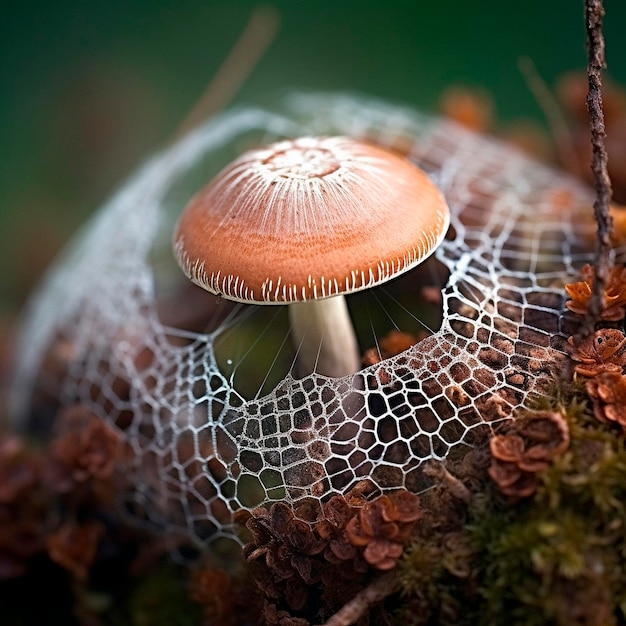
(324, 337)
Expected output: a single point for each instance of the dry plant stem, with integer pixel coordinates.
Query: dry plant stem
(554, 114)
(440, 472)
(594, 12)
(377, 591)
(241, 60)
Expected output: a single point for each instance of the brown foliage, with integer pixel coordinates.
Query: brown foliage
(603, 351)
(608, 395)
(25, 516)
(526, 448)
(614, 297)
(304, 561)
(215, 590)
(74, 546)
(85, 454)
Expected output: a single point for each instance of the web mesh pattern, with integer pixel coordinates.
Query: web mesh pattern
(105, 333)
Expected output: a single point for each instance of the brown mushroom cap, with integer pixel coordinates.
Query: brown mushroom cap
(309, 218)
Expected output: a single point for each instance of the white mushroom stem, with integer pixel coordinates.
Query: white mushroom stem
(324, 337)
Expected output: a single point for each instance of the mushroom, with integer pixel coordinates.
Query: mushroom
(304, 221)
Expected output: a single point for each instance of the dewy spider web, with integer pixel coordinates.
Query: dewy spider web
(96, 334)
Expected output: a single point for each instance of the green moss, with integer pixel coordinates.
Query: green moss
(557, 558)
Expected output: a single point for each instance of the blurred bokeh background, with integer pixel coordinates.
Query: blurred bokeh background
(88, 90)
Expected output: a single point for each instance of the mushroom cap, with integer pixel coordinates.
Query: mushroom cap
(309, 218)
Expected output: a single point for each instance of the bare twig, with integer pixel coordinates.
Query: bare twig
(440, 472)
(553, 113)
(242, 59)
(594, 12)
(377, 591)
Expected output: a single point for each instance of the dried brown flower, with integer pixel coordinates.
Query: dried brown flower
(300, 565)
(508, 448)
(614, 297)
(382, 526)
(18, 472)
(512, 481)
(392, 344)
(275, 617)
(74, 546)
(396, 342)
(86, 445)
(530, 443)
(214, 590)
(604, 351)
(25, 507)
(608, 394)
(85, 451)
(472, 108)
(284, 544)
(336, 514)
(361, 493)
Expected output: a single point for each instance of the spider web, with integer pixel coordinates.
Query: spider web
(109, 330)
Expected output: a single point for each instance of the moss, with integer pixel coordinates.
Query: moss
(556, 558)
(431, 593)
(560, 557)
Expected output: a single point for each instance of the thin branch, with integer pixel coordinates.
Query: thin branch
(594, 12)
(242, 59)
(377, 591)
(553, 113)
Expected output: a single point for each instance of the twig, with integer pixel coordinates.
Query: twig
(440, 472)
(242, 59)
(377, 591)
(594, 12)
(553, 113)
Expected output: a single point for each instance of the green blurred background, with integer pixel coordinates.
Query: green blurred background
(89, 89)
